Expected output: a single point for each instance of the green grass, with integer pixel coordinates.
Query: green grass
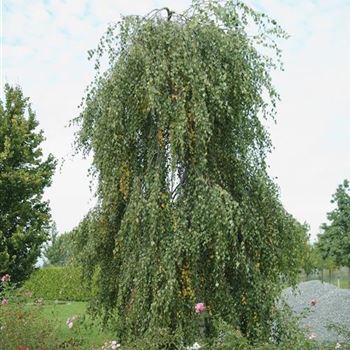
(61, 311)
(88, 330)
(343, 283)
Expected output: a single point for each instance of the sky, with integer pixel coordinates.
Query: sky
(44, 46)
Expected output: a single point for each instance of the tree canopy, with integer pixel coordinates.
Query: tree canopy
(24, 174)
(187, 212)
(334, 241)
(60, 249)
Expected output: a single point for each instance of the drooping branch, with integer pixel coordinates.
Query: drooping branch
(170, 13)
(155, 11)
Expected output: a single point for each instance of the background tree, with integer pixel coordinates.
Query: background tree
(314, 261)
(24, 174)
(311, 259)
(334, 241)
(187, 211)
(60, 250)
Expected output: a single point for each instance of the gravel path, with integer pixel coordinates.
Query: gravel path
(332, 306)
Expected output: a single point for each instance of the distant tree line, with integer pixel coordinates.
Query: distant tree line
(332, 248)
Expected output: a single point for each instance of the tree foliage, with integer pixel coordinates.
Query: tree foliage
(24, 174)
(60, 250)
(311, 258)
(57, 283)
(334, 241)
(314, 260)
(187, 212)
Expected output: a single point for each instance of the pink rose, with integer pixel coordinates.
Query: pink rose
(114, 345)
(70, 321)
(312, 336)
(6, 278)
(312, 302)
(200, 308)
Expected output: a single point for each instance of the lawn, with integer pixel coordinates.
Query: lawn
(343, 283)
(84, 328)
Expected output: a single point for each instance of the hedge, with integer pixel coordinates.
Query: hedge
(57, 283)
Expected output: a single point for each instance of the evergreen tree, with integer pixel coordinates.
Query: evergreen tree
(60, 250)
(334, 242)
(187, 212)
(24, 174)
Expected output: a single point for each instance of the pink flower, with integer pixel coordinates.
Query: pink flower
(111, 345)
(312, 336)
(6, 278)
(70, 321)
(114, 345)
(200, 308)
(313, 302)
(4, 301)
(39, 301)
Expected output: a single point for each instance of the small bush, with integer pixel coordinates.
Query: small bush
(57, 283)
(22, 326)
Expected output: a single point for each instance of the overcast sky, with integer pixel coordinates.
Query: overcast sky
(44, 50)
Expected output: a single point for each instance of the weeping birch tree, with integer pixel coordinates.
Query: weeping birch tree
(187, 212)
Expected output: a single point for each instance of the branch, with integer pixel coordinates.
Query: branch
(155, 11)
(180, 184)
(170, 13)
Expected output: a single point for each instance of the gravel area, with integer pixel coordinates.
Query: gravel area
(327, 305)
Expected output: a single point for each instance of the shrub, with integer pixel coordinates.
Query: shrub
(57, 283)
(22, 326)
